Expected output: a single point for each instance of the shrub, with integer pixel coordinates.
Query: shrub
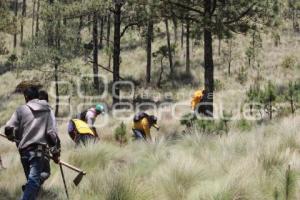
(3, 49)
(218, 85)
(206, 126)
(288, 62)
(242, 75)
(121, 133)
(187, 119)
(11, 61)
(217, 127)
(253, 93)
(122, 186)
(244, 125)
(292, 95)
(266, 96)
(226, 118)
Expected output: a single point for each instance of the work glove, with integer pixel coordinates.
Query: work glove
(9, 132)
(56, 158)
(55, 152)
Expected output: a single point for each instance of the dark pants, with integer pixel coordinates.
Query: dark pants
(46, 172)
(85, 139)
(33, 165)
(138, 135)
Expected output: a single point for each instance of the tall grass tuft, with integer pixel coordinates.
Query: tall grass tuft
(123, 186)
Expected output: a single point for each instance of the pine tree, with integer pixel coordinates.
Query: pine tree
(230, 16)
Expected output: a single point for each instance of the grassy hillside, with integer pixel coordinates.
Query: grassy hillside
(251, 165)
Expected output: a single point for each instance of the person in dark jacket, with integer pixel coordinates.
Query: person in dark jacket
(32, 128)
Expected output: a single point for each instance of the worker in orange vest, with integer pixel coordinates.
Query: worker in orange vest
(197, 99)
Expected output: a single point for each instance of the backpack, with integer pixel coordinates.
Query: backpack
(139, 116)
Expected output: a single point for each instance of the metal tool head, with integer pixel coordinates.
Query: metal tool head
(78, 178)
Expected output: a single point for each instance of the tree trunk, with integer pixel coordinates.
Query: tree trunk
(208, 61)
(219, 45)
(161, 73)
(229, 68)
(294, 19)
(182, 35)
(109, 61)
(188, 67)
(65, 22)
(79, 32)
(57, 35)
(149, 50)
(108, 30)
(271, 110)
(56, 90)
(37, 28)
(253, 47)
(101, 32)
(89, 22)
(33, 19)
(230, 57)
(117, 50)
(50, 29)
(108, 38)
(23, 19)
(175, 23)
(169, 48)
(292, 104)
(16, 15)
(95, 51)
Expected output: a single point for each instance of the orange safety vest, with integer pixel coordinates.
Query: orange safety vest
(198, 95)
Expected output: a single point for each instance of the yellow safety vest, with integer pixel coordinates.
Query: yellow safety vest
(142, 125)
(82, 127)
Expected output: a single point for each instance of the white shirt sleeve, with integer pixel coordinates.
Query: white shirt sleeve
(90, 118)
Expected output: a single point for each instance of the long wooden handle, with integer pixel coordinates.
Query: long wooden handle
(60, 162)
(72, 167)
(2, 135)
(64, 180)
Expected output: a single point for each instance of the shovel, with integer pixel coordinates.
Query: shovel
(80, 175)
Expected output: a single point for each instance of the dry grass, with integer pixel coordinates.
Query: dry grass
(244, 165)
(238, 166)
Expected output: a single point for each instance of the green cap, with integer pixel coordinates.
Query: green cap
(100, 108)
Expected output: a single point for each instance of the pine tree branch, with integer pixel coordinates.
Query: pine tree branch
(128, 26)
(106, 69)
(242, 15)
(185, 17)
(186, 7)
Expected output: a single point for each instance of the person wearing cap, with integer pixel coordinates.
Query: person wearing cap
(31, 128)
(89, 116)
(142, 123)
(81, 133)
